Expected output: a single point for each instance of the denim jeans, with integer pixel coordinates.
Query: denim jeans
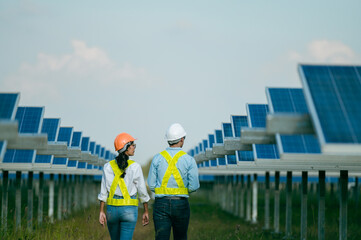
(171, 213)
(121, 221)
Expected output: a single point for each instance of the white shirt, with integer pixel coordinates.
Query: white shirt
(133, 179)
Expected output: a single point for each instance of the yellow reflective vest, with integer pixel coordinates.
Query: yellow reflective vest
(172, 170)
(119, 181)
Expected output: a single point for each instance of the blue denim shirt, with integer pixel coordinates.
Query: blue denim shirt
(187, 168)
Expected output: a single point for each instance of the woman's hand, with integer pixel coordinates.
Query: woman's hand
(145, 219)
(102, 218)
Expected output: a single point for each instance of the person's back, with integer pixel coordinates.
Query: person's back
(173, 174)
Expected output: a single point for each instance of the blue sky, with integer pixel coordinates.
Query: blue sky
(107, 67)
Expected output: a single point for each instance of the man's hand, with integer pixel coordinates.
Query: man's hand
(145, 219)
(102, 218)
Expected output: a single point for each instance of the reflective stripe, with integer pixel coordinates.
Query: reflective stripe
(119, 181)
(172, 170)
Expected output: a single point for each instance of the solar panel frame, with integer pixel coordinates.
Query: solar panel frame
(291, 101)
(8, 105)
(256, 116)
(334, 115)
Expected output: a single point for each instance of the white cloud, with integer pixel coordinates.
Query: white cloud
(85, 67)
(325, 51)
(330, 51)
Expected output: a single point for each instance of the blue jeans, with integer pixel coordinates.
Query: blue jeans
(171, 213)
(121, 221)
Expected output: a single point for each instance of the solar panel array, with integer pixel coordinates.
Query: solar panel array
(316, 127)
(41, 144)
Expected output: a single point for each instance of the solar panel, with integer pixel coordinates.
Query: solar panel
(219, 137)
(238, 122)
(291, 100)
(76, 139)
(8, 104)
(2, 149)
(228, 132)
(257, 118)
(211, 140)
(65, 135)
(92, 147)
(29, 120)
(333, 95)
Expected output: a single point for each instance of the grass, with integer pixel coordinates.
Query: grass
(208, 221)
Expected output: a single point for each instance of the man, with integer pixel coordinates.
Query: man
(173, 174)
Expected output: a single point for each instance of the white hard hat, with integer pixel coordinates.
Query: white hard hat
(175, 132)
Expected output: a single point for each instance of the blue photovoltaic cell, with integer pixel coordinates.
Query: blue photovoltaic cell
(81, 165)
(60, 161)
(238, 122)
(92, 147)
(102, 152)
(89, 166)
(231, 159)
(97, 150)
(206, 163)
(29, 118)
(8, 104)
(245, 156)
(43, 158)
(219, 136)
(107, 155)
(211, 140)
(292, 100)
(197, 150)
(51, 127)
(200, 147)
(85, 144)
(213, 162)
(221, 161)
(19, 156)
(227, 130)
(257, 115)
(76, 139)
(334, 92)
(65, 135)
(72, 163)
(205, 144)
(286, 100)
(257, 118)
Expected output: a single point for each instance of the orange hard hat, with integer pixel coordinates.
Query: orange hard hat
(121, 140)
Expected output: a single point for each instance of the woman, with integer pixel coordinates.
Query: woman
(121, 181)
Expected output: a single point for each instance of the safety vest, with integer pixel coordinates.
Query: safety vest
(119, 181)
(172, 170)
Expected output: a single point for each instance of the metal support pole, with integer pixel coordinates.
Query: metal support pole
(64, 184)
(266, 204)
(30, 201)
(41, 198)
(60, 197)
(254, 199)
(289, 205)
(51, 199)
(4, 208)
(236, 199)
(241, 202)
(18, 200)
(249, 199)
(321, 204)
(304, 206)
(277, 203)
(357, 192)
(343, 204)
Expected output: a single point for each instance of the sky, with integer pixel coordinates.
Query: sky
(106, 67)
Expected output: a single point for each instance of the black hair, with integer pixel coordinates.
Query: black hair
(122, 161)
